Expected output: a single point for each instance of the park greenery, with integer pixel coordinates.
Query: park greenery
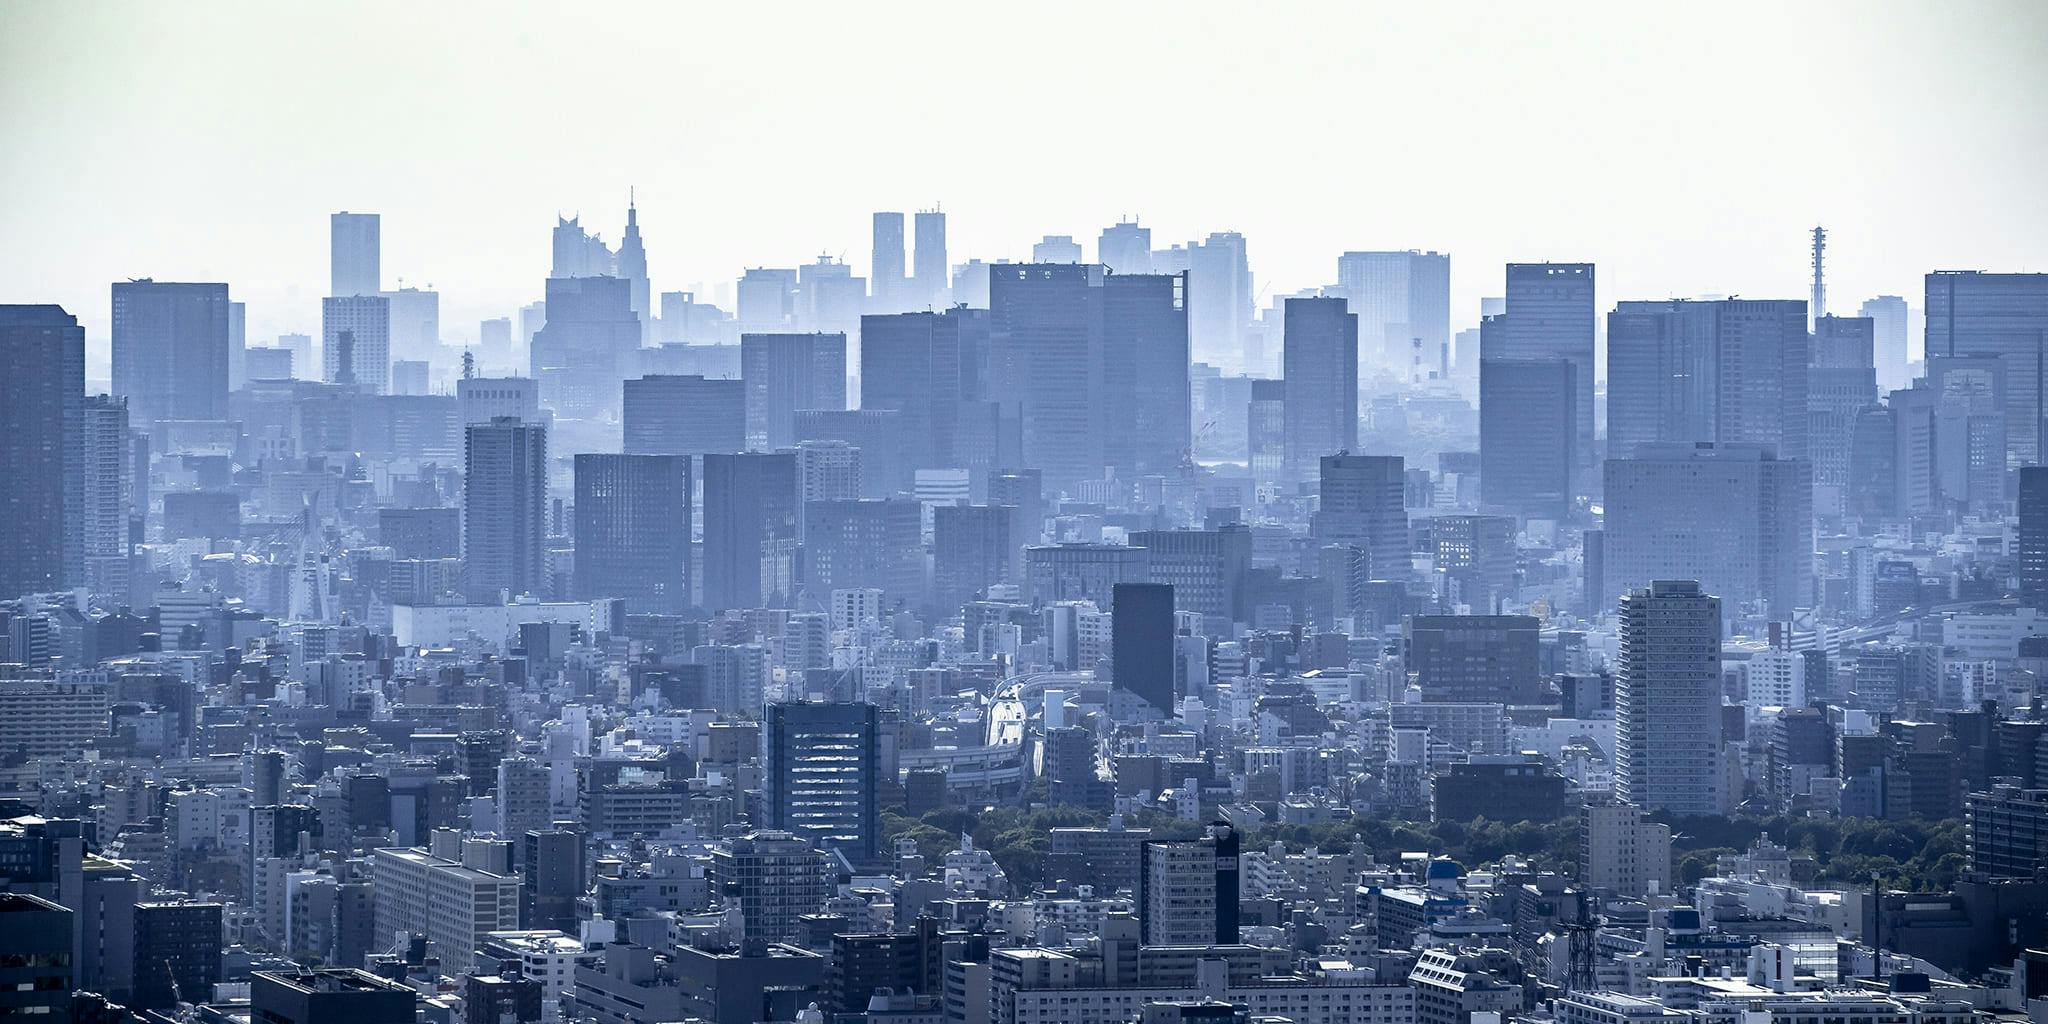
(1914, 854)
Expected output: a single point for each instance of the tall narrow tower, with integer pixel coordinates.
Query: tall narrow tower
(1820, 288)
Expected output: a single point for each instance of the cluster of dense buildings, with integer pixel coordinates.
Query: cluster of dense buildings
(635, 668)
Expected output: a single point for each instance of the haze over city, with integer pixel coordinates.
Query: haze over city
(1311, 513)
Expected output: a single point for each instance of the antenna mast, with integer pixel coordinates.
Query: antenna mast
(1820, 288)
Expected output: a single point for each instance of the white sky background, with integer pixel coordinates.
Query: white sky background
(1685, 147)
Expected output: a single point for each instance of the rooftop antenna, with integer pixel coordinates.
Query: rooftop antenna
(1820, 288)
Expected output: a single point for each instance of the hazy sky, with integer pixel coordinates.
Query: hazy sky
(1686, 148)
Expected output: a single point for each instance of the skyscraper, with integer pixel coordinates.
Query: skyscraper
(1141, 642)
(1125, 248)
(1362, 506)
(105, 459)
(684, 415)
(1732, 371)
(933, 277)
(1667, 701)
(929, 366)
(1889, 316)
(354, 253)
(1219, 296)
(1046, 343)
(750, 530)
(504, 507)
(1970, 313)
(865, 544)
(1550, 316)
(1528, 436)
(633, 530)
(588, 345)
(886, 275)
(171, 350)
(1402, 299)
(1320, 368)
(42, 395)
(820, 765)
(786, 374)
(973, 546)
(1145, 373)
(632, 265)
(355, 341)
(1734, 517)
(2032, 538)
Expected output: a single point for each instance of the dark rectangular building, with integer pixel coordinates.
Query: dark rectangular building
(633, 530)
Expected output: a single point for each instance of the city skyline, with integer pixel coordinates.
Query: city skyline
(1868, 128)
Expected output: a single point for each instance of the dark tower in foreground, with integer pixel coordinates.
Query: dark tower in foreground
(633, 530)
(41, 405)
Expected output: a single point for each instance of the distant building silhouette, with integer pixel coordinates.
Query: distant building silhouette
(170, 350)
(355, 250)
(1320, 368)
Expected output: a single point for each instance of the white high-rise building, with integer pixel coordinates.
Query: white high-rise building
(359, 325)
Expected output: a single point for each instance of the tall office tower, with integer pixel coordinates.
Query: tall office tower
(1266, 430)
(1141, 643)
(819, 768)
(42, 493)
(633, 530)
(105, 458)
(1474, 659)
(415, 319)
(1971, 313)
(355, 342)
(1045, 341)
(928, 366)
(504, 509)
(886, 273)
(1125, 248)
(1023, 489)
(1188, 890)
(578, 253)
(1362, 506)
(1844, 341)
(1840, 385)
(1732, 371)
(1403, 302)
(1056, 249)
(1083, 572)
(786, 374)
(588, 345)
(750, 530)
(829, 297)
(1889, 316)
(685, 415)
(1319, 364)
(1528, 436)
(1206, 569)
(171, 350)
(1667, 701)
(1734, 517)
(632, 265)
(766, 298)
(2032, 537)
(238, 344)
(1146, 427)
(930, 285)
(973, 547)
(877, 544)
(355, 249)
(1219, 297)
(1550, 316)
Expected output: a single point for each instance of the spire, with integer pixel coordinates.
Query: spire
(632, 215)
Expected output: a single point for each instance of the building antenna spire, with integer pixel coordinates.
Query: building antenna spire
(1820, 288)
